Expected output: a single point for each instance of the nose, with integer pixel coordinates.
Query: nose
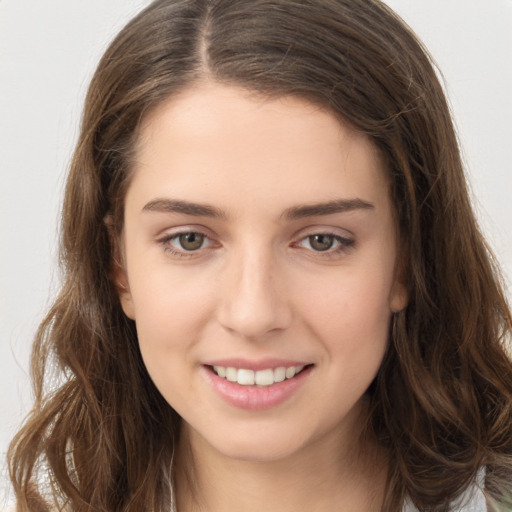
(253, 301)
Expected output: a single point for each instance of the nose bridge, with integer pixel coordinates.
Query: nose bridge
(253, 301)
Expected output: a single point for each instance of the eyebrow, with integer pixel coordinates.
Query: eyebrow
(329, 208)
(185, 207)
(293, 213)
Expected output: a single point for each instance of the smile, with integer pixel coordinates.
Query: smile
(259, 385)
(267, 377)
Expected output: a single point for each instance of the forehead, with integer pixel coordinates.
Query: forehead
(216, 143)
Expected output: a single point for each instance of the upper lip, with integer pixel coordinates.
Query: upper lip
(262, 364)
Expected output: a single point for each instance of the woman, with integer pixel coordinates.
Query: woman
(276, 295)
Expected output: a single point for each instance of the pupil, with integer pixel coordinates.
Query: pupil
(321, 242)
(191, 241)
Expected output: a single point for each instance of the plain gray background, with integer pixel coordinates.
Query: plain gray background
(48, 51)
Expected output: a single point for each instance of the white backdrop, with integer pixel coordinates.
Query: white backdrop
(48, 51)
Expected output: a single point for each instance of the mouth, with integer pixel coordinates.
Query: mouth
(258, 378)
(257, 386)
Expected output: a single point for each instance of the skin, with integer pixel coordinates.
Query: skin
(258, 288)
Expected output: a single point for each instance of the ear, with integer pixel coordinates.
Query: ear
(399, 297)
(120, 280)
(118, 274)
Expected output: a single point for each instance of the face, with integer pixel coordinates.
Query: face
(259, 253)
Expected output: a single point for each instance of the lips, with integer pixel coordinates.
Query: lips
(256, 386)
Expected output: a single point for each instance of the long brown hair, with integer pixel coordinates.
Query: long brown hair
(100, 436)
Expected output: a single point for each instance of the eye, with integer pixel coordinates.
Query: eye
(190, 241)
(325, 242)
(185, 243)
(321, 242)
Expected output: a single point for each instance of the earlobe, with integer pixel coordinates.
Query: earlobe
(118, 275)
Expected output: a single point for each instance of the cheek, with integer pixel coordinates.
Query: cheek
(351, 317)
(356, 302)
(171, 309)
(354, 328)
(167, 294)
(168, 321)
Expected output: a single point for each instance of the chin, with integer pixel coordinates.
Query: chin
(254, 443)
(280, 444)
(261, 452)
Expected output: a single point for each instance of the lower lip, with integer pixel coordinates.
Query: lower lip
(253, 397)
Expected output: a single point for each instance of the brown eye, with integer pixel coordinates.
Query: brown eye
(321, 242)
(191, 241)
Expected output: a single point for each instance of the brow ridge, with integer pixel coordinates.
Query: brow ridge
(293, 213)
(328, 208)
(184, 207)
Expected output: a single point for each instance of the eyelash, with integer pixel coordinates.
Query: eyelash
(343, 244)
(183, 253)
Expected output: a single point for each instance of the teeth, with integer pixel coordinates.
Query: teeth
(267, 377)
(264, 377)
(245, 377)
(220, 371)
(290, 372)
(232, 374)
(279, 374)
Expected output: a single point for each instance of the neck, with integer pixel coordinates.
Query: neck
(328, 475)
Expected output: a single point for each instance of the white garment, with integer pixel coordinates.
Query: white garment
(472, 500)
